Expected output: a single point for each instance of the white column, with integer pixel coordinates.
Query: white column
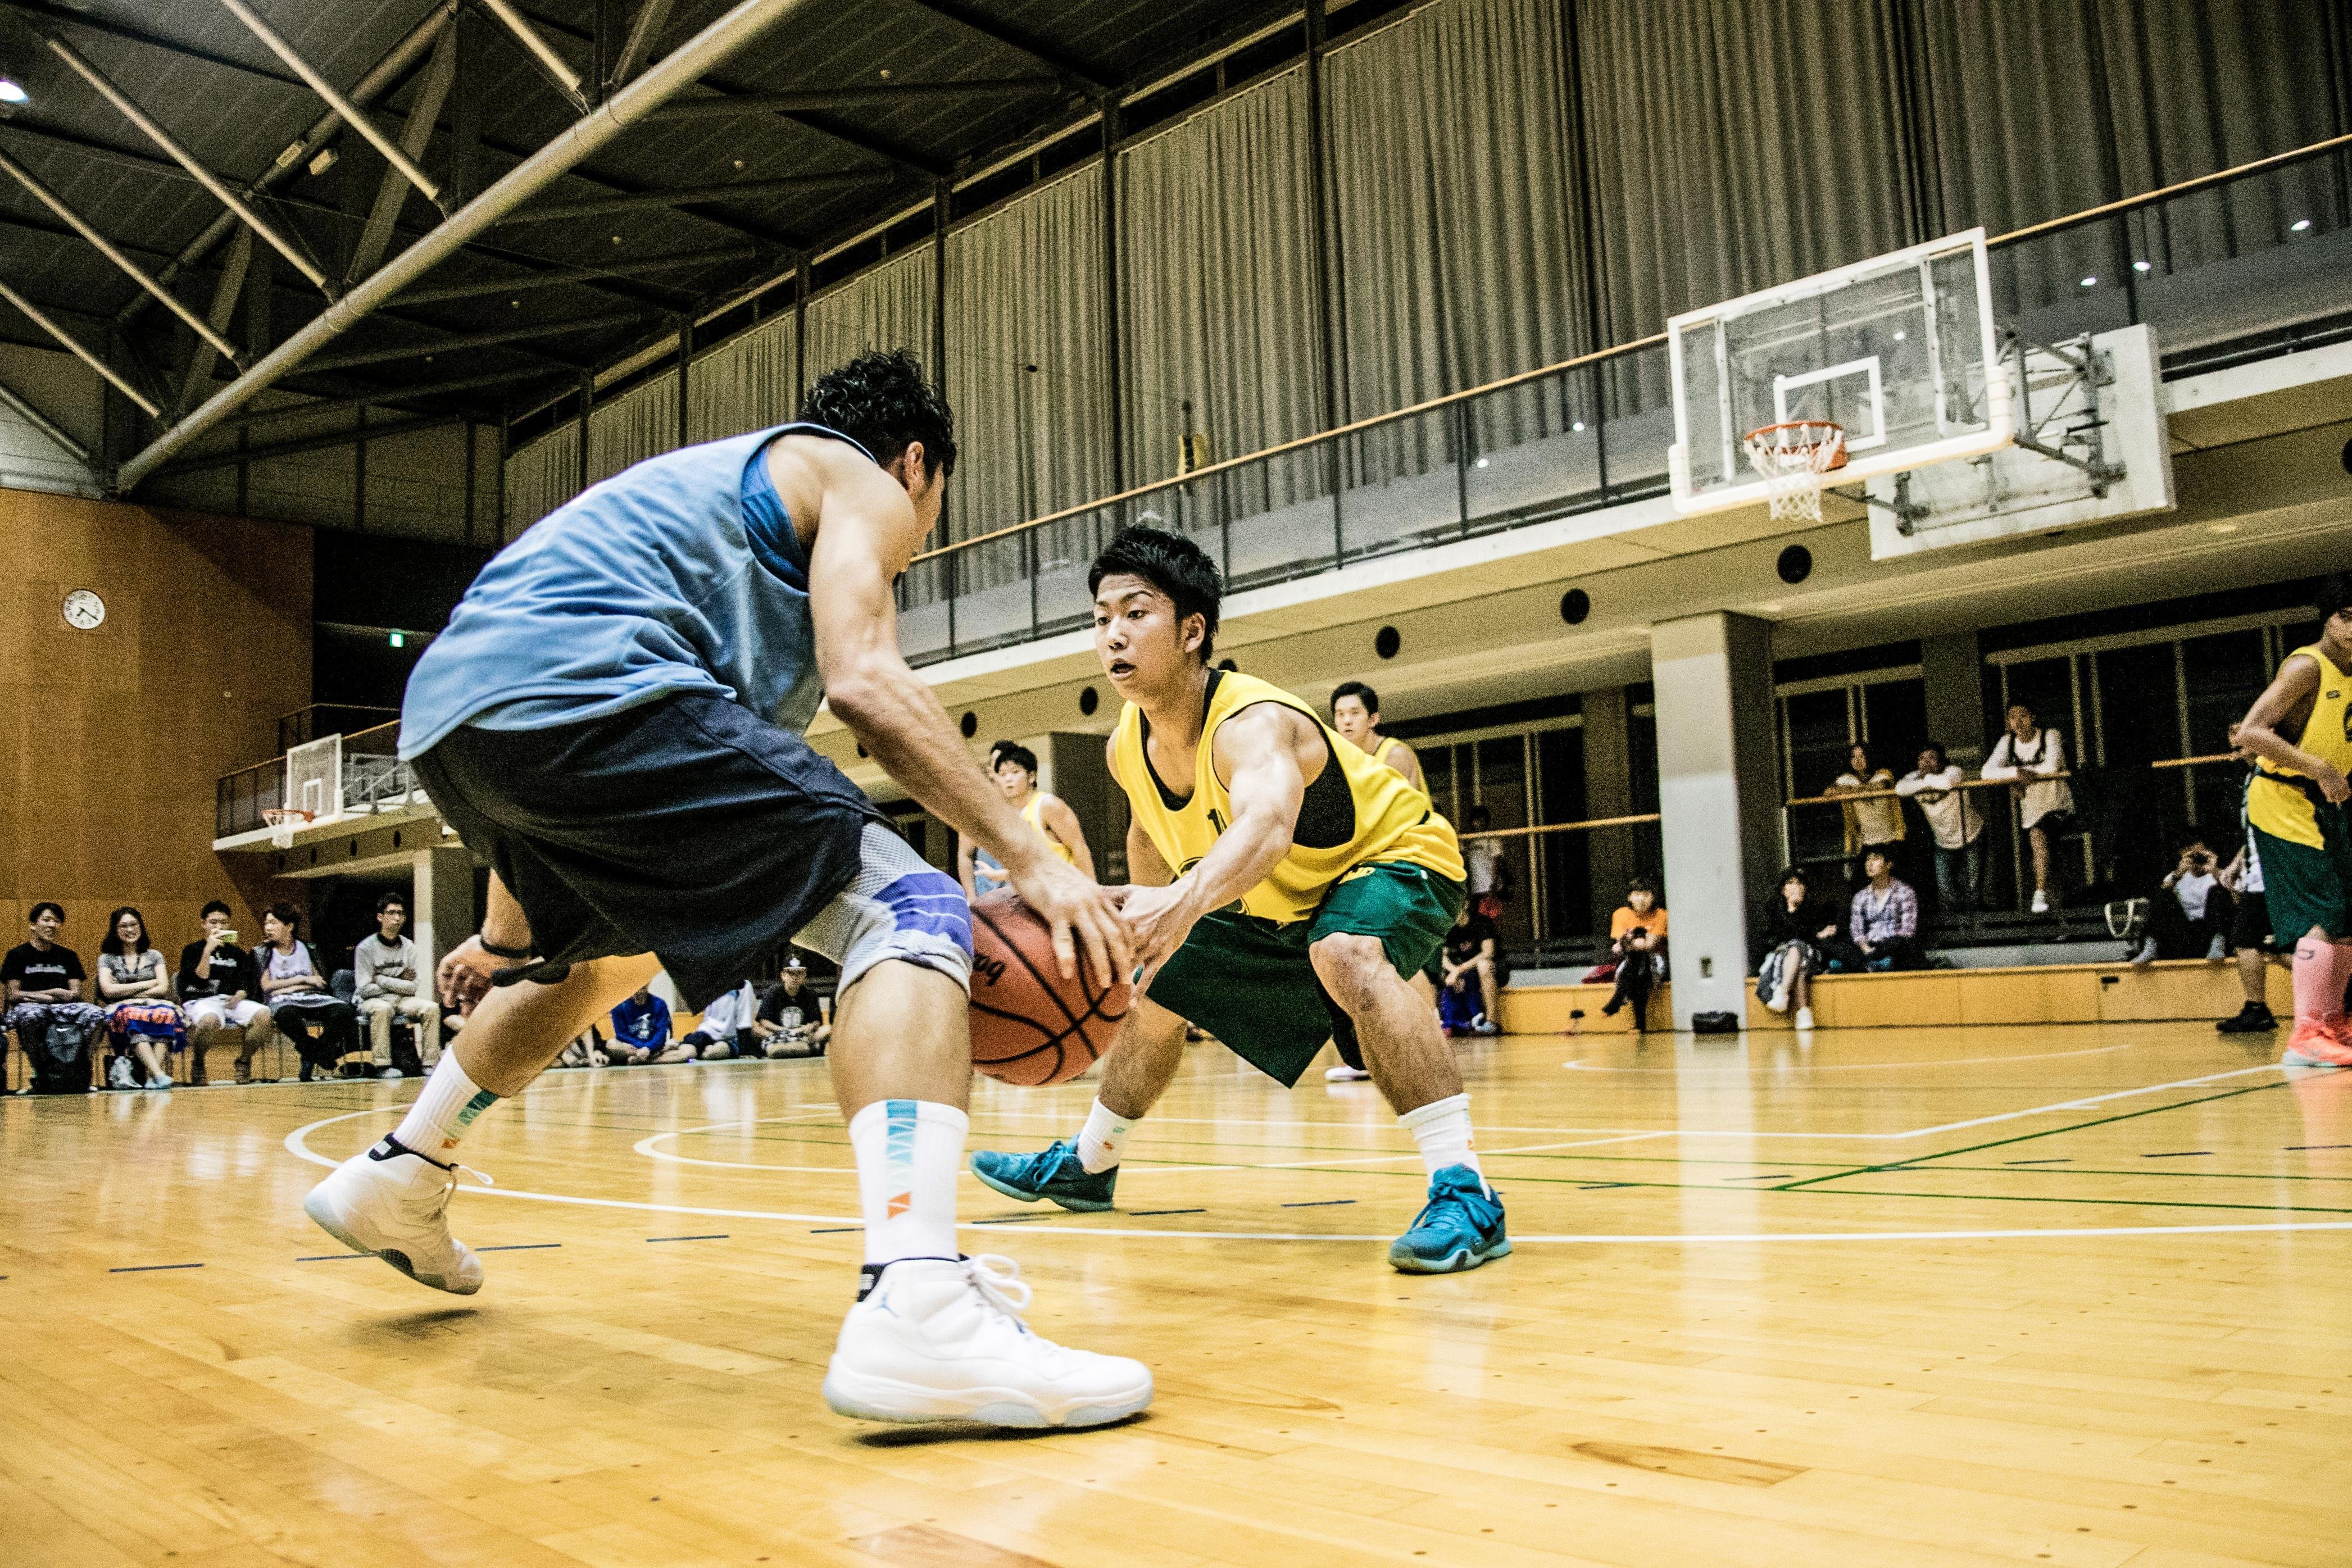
(442, 912)
(1719, 793)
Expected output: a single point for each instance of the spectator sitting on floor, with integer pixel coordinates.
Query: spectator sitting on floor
(1474, 972)
(790, 1021)
(724, 1031)
(2189, 916)
(218, 984)
(1882, 929)
(142, 1019)
(322, 1026)
(1798, 932)
(41, 982)
(1954, 821)
(383, 971)
(2249, 925)
(641, 1033)
(1637, 936)
(2045, 804)
(1875, 821)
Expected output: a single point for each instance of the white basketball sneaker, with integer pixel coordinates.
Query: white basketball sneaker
(935, 1339)
(394, 1203)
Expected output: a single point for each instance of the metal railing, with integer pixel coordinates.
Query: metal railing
(2241, 263)
(305, 724)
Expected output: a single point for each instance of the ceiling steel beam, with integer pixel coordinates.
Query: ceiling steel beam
(692, 195)
(106, 248)
(558, 278)
(456, 342)
(198, 374)
(704, 52)
(638, 48)
(440, 75)
(553, 66)
(180, 155)
(352, 114)
(73, 345)
(56, 434)
(383, 396)
(971, 21)
(818, 101)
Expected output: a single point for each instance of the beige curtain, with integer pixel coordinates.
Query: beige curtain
(885, 307)
(640, 423)
(542, 476)
(749, 383)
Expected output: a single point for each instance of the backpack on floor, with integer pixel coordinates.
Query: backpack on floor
(62, 1064)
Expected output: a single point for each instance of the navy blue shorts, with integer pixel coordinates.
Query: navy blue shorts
(687, 827)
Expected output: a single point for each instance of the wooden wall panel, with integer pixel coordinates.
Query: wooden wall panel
(110, 739)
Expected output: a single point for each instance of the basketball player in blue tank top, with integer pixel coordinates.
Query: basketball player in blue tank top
(613, 722)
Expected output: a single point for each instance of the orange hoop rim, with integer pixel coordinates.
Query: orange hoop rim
(287, 814)
(1832, 434)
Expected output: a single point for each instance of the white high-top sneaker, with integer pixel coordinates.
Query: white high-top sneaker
(393, 1202)
(940, 1339)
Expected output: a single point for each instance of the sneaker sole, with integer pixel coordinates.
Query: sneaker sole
(867, 1398)
(1456, 1262)
(324, 1218)
(2294, 1058)
(1075, 1204)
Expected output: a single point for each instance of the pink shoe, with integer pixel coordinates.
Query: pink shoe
(2320, 1042)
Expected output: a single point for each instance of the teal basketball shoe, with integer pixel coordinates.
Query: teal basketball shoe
(1053, 1172)
(1459, 1227)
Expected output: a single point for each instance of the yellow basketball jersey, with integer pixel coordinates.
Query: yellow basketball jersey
(2279, 801)
(1386, 755)
(1356, 810)
(1033, 813)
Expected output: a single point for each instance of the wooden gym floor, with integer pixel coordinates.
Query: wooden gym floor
(1905, 1297)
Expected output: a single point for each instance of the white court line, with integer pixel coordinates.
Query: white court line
(1729, 1063)
(298, 1144)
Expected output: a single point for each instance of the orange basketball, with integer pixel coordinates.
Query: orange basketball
(1029, 1026)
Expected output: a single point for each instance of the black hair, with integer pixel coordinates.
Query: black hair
(1795, 874)
(390, 898)
(1640, 884)
(1479, 813)
(1013, 752)
(286, 914)
(1360, 692)
(1880, 852)
(2334, 592)
(219, 904)
(112, 944)
(34, 913)
(1170, 563)
(881, 402)
(1943, 757)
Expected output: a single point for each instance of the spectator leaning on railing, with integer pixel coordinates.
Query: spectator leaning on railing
(41, 981)
(1953, 821)
(2033, 757)
(218, 985)
(142, 1019)
(1875, 821)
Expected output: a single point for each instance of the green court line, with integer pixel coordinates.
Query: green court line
(2155, 1174)
(2083, 1202)
(2029, 1137)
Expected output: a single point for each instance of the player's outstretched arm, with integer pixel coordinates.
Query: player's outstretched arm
(867, 533)
(1257, 752)
(2284, 704)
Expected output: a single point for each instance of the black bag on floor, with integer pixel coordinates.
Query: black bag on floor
(61, 1063)
(1715, 1023)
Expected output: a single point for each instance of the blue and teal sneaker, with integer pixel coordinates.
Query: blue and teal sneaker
(1459, 1227)
(1053, 1173)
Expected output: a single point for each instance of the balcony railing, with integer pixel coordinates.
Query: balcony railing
(2244, 263)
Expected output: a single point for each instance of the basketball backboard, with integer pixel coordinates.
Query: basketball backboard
(314, 778)
(1899, 350)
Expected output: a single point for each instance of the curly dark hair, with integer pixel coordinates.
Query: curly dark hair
(1170, 563)
(881, 402)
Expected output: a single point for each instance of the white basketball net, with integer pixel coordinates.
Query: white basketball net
(1793, 458)
(282, 822)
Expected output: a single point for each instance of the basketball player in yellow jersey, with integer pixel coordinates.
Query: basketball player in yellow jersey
(2300, 731)
(1356, 714)
(1015, 768)
(1290, 884)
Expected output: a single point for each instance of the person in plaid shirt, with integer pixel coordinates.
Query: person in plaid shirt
(1885, 921)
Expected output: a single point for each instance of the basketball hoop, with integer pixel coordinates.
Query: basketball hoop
(283, 820)
(1793, 458)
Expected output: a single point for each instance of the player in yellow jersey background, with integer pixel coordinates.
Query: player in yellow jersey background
(1015, 767)
(1290, 884)
(1355, 714)
(2300, 732)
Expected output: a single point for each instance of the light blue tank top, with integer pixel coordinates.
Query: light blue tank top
(682, 574)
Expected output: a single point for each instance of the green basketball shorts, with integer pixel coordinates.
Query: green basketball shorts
(2306, 887)
(1250, 982)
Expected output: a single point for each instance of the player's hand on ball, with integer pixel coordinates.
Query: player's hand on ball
(1083, 916)
(464, 975)
(1158, 919)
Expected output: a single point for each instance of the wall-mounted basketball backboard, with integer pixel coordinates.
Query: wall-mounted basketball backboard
(1899, 351)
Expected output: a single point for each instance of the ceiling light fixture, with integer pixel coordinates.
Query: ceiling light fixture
(2089, 282)
(11, 93)
(2143, 267)
(2295, 227)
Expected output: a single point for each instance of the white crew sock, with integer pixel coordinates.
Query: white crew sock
(1100, 1139)
(1442, 1128)
(908, 1153)
(446, 1107)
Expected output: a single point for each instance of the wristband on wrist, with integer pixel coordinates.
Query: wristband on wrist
(517, 955)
